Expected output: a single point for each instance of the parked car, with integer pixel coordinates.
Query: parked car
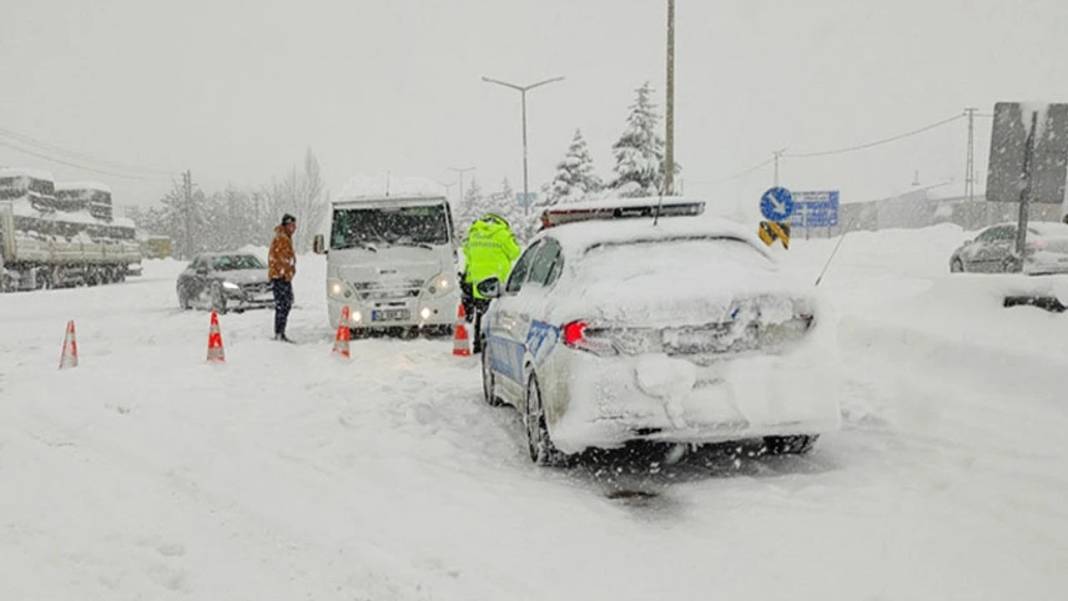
(616, 330)
(994, 250)
(225, 282)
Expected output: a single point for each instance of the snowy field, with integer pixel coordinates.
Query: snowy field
(147, 474)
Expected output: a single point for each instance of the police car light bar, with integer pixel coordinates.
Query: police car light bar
(648, 209)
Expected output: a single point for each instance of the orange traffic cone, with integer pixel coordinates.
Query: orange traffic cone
(461, 341)
(341, 341)
(215, 343)
(69, 356)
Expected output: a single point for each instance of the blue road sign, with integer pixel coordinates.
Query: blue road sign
(815, 209)
(777, 204)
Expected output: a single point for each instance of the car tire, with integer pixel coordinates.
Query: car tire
(540, 445)
(218, 299)
(790, 445)
(489, 386)
(956, 266)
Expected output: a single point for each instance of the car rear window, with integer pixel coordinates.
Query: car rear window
(684, 256)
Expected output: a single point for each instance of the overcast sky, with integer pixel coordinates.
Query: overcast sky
(236, 91)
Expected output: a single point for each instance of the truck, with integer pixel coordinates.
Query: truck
(61, 235)
(392, 261)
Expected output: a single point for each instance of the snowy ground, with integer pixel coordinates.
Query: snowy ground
(283, 474)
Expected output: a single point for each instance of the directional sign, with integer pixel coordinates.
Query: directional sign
(777, 204)
(770, 231)
(815, 209)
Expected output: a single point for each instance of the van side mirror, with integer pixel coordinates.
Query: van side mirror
(319, 245)
(490, 288)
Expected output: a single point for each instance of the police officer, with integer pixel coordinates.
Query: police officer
(489, 251)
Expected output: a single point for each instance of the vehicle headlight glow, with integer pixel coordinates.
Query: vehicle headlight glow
(356, 317)
(230, 286)
(338, 288)
(425, 313)
(439, 284)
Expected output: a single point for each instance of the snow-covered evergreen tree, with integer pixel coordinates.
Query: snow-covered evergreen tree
(471, 208)
(640, 150)
(575, 178)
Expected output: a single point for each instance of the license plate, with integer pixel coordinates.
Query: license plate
(391, 315)
(693, 340)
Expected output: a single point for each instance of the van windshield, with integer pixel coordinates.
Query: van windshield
(426, 225)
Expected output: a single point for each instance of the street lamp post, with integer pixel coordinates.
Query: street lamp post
(461, 171)
(523, 97)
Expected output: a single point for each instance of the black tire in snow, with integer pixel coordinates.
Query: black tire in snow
(790, 445)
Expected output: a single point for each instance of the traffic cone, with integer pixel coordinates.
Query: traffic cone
(69, 356)
(215, 343)
(341, 341)
(461, 341)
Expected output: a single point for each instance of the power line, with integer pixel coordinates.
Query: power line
(39, 155)
(80, 157)
(879, 142)
(737, 175)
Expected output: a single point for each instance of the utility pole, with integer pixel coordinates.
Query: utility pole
(777, 155)
(669, 120)
(969, 164)
(461, 171)
(187, 189)
(523, 93)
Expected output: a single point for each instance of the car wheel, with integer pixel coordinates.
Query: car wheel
(1010, 265)
(957, 266)
(790, 445)
(539, 443)
(489, 380)
(218, 299)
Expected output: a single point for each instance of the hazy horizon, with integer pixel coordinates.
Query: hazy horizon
(237, 94)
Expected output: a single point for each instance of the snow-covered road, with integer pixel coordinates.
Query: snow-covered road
(146, 473)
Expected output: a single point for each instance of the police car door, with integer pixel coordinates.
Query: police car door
(506, 333)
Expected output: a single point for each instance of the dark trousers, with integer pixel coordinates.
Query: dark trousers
(474, 308)
(283, 302)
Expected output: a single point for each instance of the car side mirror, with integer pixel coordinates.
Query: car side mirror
(319, 245)
(202, 271)
(490, 288)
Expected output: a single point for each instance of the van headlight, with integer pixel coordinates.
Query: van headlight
(439, 285)
(336, 288)
(230, 286)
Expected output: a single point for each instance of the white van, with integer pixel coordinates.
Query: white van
(392, 261)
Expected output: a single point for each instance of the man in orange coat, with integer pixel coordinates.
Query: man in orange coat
(282, 266)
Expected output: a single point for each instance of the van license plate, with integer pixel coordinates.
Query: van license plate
(391, 315)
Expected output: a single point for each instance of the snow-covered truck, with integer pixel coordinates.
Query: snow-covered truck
(61, 235)
(392, 261)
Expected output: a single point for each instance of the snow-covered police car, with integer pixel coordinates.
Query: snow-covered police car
(679, 328)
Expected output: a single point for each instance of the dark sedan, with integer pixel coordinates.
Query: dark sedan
(225, 282)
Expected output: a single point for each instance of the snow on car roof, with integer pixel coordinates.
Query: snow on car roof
(578, 237)
(30, 172)
(378, 187)
(623, 202)
(83, 186)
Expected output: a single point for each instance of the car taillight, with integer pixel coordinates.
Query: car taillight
(574, 333)
(1036, 245)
